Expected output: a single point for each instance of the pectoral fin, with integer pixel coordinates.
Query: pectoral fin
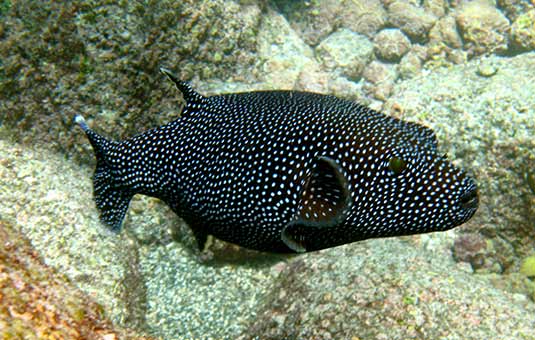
(325, 202)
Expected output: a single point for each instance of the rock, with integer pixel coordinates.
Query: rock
(39, 302)
(313, 81)
(457, 56)
(65, 230)
(445, 43)
(282, 54)
(362, 16)
(523, 31)
(386, 289)
(445, 33)
(411, 63)
(378, 72)
(148, 277)
(344, 88)
(413, 21)
(436, 7)
(346, 53)
(514, 8)
(484, 29)
(312, 21)
(487, 68)
(81, 48)
(471, 248)
(315, 20)
(382, 77)
(391, 45)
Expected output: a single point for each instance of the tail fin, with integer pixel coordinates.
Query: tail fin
(112, 201)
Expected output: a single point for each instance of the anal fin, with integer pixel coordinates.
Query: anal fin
(112, 202)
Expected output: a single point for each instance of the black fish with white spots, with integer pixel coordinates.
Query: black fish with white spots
(284, 171)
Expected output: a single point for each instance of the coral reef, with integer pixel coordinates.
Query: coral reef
(381, 76)
(513, 8)
(283, 55)
(445, 33)
(411, 63)
(315, 20)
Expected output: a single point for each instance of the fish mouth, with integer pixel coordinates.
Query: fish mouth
(469, 199)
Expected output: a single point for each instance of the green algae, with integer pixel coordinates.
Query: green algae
(530, 179)
(5, 5)
(528, 266)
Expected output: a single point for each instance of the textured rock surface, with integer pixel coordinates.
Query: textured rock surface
(102, 58)
(513, 8)
(45, 193)
(36, 302)
(523, 31)
(363, 16)
(483, 27)
(414, 21)
(312, 21)
(315, 20)
(445, 32)
(387, 289)
(346, 53)
(436, 7)
(471, 248)
(391, 45)
(411, 63)
(381, 77)
(283, 55)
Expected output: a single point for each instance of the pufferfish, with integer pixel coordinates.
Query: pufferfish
(284, 172)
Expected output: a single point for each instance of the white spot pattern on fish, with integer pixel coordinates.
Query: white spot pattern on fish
(285, 171)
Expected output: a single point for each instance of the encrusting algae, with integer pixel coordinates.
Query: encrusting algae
(37, 303)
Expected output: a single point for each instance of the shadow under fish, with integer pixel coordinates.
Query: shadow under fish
(284, 172)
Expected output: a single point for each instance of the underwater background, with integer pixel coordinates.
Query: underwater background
(464, 68)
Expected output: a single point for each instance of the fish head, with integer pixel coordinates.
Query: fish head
(411, 190)
(383, 191)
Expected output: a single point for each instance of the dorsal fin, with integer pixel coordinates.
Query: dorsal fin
(190, 95)
(325, 202)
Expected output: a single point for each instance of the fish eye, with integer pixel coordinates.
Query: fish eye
(396, 165)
